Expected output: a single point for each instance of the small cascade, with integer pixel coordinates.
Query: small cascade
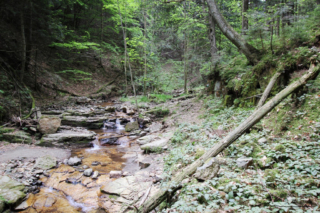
(104, 125)
(118, 125)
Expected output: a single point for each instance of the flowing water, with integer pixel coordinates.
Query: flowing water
(67, 190)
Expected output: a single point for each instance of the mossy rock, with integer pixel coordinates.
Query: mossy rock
(278, 193)
(270, 174)
(257, 150)
(264, 162)
(280, 148)
(159, 112)
(18, 137)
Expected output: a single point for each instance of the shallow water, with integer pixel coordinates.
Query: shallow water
(83, 194)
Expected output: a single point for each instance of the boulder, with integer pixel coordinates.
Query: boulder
(11, 191)
(244, 162)
(46, 162)
(82, 121)
(83, 100)
(208, 171)
(115, 174)
(155, 127)
(87, 172)
(132, 126)
(49, 124)
(72, 137)
(262, 140)
(74, 161)
(110, 109)
(109, 141)
(130, 187)
(18, 137)
(147, 139)
(95, 175)
(156, 146)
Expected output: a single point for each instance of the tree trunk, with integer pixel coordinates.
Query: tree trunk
(268, 89)
(255, 117)
(318, 1)
(249, 51)
(145, 52)
(245, 23)
(101, 33)
(212, 36)
(24, 47)
(126, 53)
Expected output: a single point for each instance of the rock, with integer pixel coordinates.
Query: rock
(155, 146)
(155, 127)
(110, 109)
(74, 161)
(18, 137)
(39, 171)
(83, 100)
(142, 133)
(73, 137)
(208, 171)
(33, 129)
(131, 187)
(95, 163)
(262, 140)
(95, 175)
(81, 121)
(109, 141)
(49, 124)
(87, 172)
(144, 162)
(147, 139)
(46, 162)
(244, 162)
(132, 126)
(85, 167)
(11, 191)
(115, 174)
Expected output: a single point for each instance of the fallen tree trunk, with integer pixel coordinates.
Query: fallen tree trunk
(268, 89)
(255, 117)
(54, 87)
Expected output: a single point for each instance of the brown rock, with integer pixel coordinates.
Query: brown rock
(49, 125)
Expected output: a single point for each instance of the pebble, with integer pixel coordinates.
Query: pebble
(95, 163)
(95, 175)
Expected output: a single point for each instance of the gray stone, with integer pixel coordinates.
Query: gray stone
(244, 162)
(49, 124)
(208, 171)
(81, 121)
(131, 187)
(155, 127)
(74, 137)
(83, 100)
(110, 109)
(11, 191)
(74, 161)
(155, 146)
(132, 126)
(95, 175)
(95, 163)
(147, 139)
(18, 137)
(262, 140)
(46, 162)
(87, 172)
(115, 174)
(144, 162)
(85, 167)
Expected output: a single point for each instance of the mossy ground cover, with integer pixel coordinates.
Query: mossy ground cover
(284, 176)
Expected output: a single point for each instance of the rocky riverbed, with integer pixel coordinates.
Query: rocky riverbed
(97, 161)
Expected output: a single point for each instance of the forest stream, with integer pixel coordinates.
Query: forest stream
(88, 184)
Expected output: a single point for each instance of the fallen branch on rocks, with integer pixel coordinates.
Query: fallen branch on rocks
(255, 117)
(54, 87)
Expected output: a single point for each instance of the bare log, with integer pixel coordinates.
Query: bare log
(255, 117)
(268, 89)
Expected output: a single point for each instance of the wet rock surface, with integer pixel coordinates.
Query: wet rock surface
(106, 177)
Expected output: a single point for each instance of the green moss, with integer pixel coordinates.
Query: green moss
(264, 163)
(227, 100)
(270, 174)
(199, 153)
(6, 130)
(280, 148)
(278, 193)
